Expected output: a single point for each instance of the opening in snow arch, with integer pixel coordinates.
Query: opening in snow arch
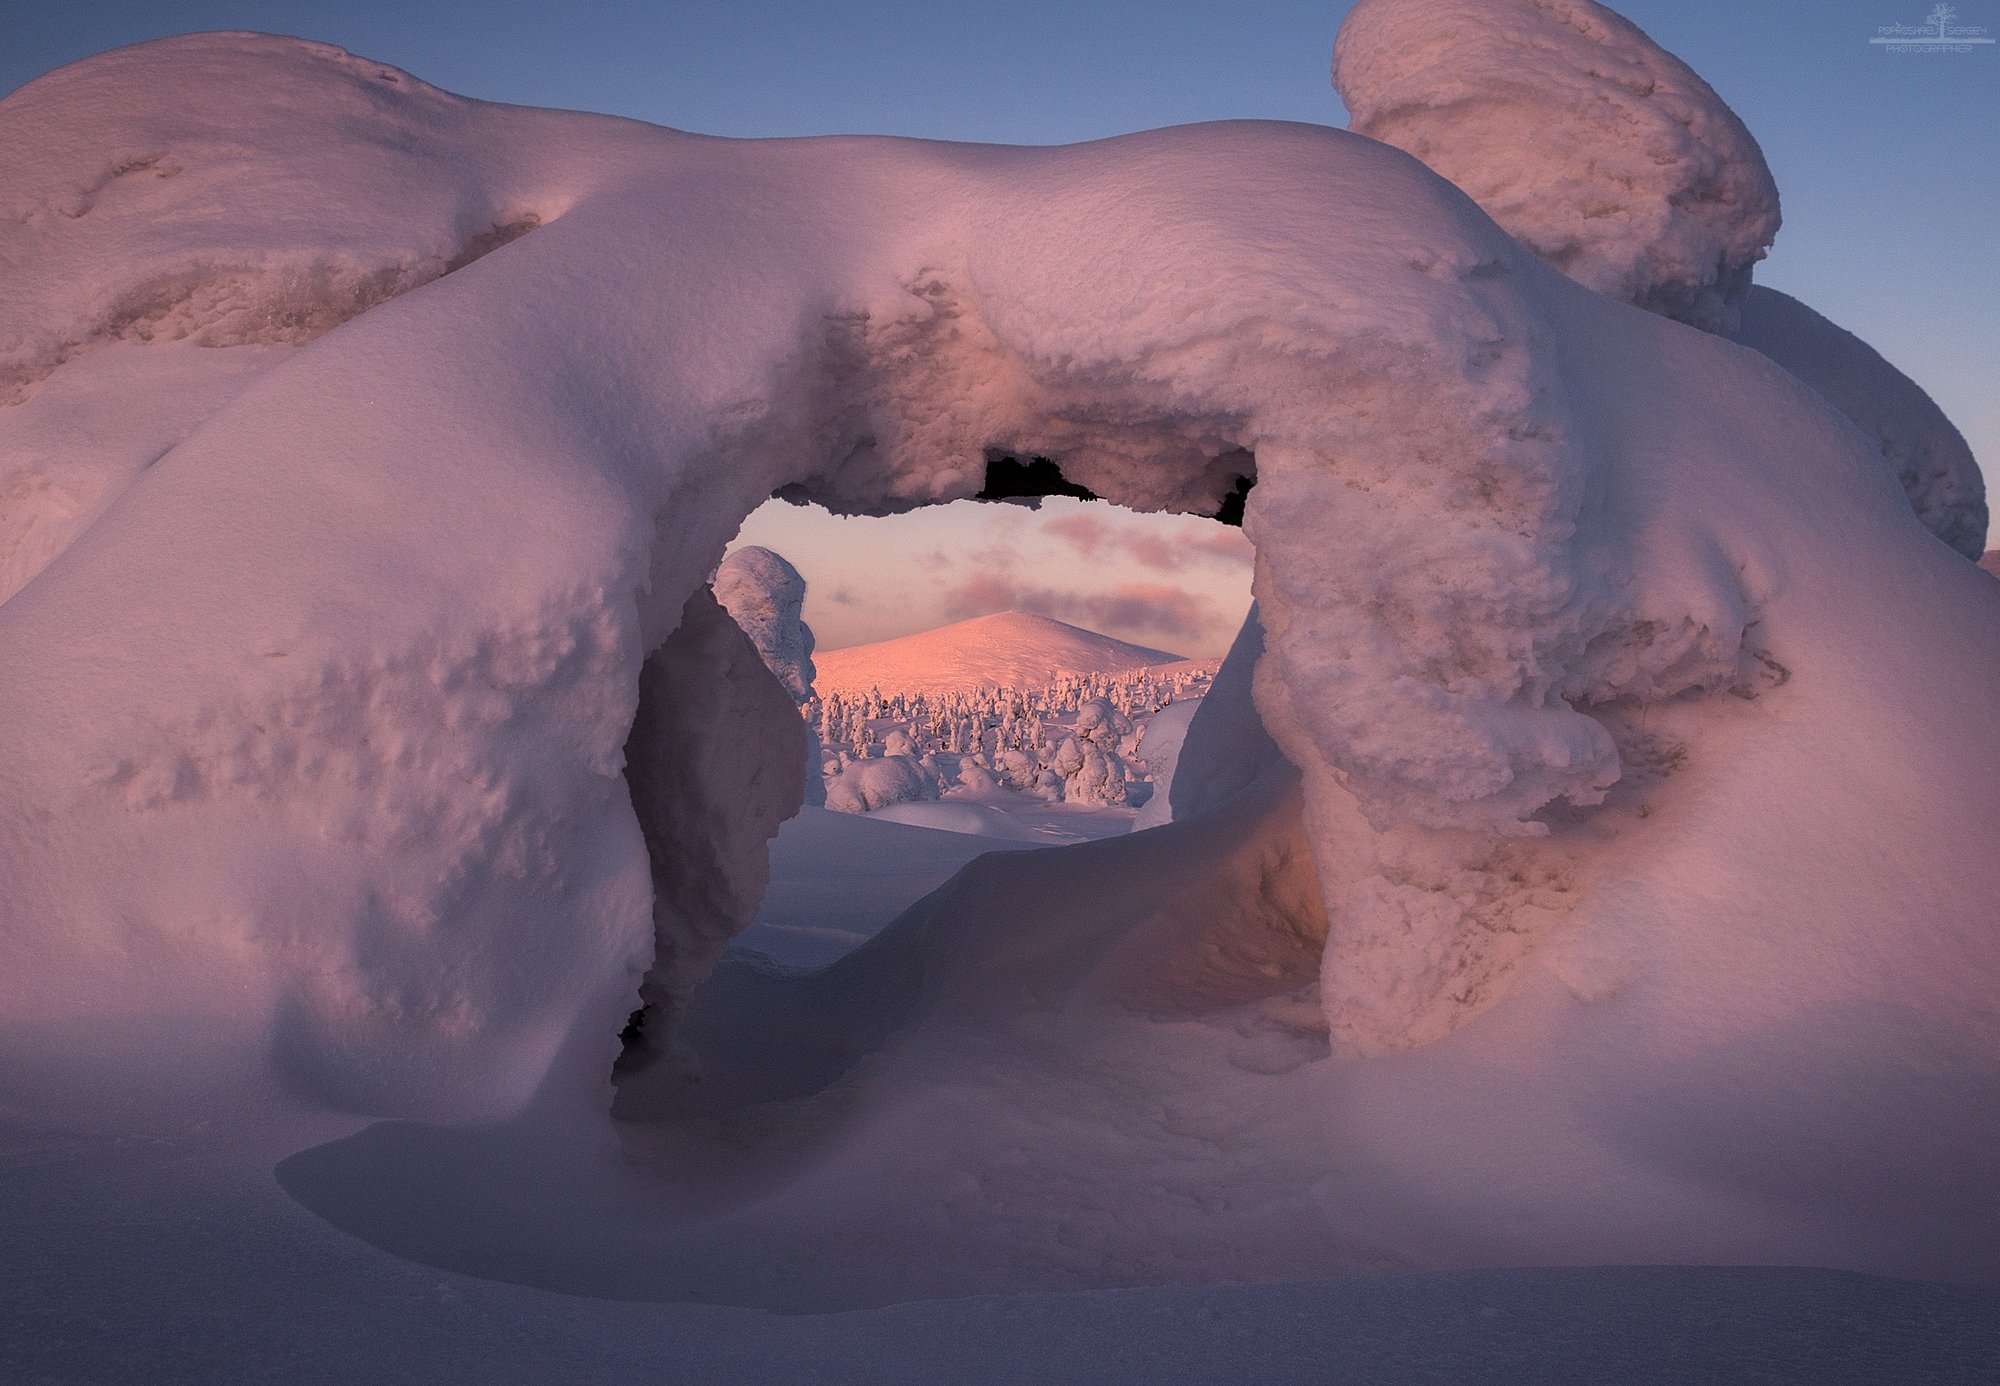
(400, 817)
(1453, 625)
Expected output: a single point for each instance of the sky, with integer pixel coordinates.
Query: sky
(1888, 166)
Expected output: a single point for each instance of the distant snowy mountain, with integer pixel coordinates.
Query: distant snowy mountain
(1009, 650)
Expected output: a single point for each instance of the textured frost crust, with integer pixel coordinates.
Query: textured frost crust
(1596, 148)
(110, 185)
(1615, 163)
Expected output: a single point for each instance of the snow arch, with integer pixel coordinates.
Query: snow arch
(364, 645)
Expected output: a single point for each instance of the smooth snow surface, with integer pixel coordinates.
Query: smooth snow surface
(1226, 748)
(1160, 749)
(1595, 147)
(1010, 649)
(837, 879)
(1929, 454)
(1629, 895)
(960, 817)
(180, 1263)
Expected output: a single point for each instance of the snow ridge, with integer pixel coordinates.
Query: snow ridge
(1010, 649)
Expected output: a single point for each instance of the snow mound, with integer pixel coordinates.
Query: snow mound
(1226, 749)
(863, 786)
(1159, 749)
(113, 178)
(1010, 649)
(1631, 901)
(1595, 147)
(1929, 454)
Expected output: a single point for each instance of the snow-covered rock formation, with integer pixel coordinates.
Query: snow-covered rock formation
(1646, 764)
(1596, 148)
(1613, 161)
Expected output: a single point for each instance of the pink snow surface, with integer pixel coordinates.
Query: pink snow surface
(1010, 649)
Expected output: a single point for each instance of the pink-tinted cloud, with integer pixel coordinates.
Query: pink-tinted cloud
(1147, 544)
(982, 594)
(1156, 552)
(1221, 541)
(1085, 533)
(1152, 607)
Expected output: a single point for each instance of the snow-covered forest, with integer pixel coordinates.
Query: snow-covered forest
(1077, 740)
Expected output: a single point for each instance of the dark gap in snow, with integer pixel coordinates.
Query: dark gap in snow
(1011, 479)
(1231, 510)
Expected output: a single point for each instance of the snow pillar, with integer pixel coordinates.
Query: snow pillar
(716, 762)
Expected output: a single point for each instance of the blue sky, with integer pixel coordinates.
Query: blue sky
(1889, 165)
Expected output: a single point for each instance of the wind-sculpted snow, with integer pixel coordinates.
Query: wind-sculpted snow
(112, 180)
(1930, 456)
(1607, 157)
(716, 761)
(764, 594)
(1591, 144)
(1226, 748)
(1644, 739)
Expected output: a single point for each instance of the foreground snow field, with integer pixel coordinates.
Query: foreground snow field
(1585, 857)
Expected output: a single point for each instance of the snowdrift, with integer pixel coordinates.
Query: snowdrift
(1623, 891)
(1929, 454)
